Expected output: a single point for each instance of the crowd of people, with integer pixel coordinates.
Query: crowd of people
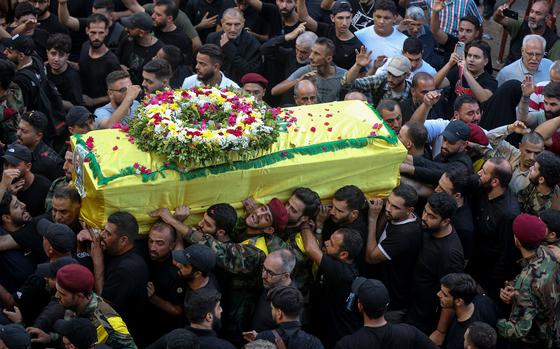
(464, 252)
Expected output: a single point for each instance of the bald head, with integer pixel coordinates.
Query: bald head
(305, 92)
(555, 71)
(355, 95)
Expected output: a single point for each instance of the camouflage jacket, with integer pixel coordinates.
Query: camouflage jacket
(533, 202)
(535, 315)
(11, 105)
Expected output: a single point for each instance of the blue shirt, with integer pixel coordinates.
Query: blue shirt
(517, 71)
(105, 112)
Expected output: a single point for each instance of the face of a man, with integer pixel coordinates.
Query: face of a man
(151, 83)
(272, 273)
(12, 55)
(27, 135)
(159, 17)
(395, 82)
(393, 118)
(467, 32)
(414, 27)
(27, 18)
(18, 212)
(204, 68)
(444, 185)
(469, 113)
(333, 245)
(532, 54)
(302, 54)
(384, 21)
(486, 175)
(421, 88)
(117, 90)
(185, 271)
(476, 60)
(64, 211)
(448, 148)
(96, 32)
(306, 94)
(340, 213)
(67, 299)
(207, 225)
(535, 173)
(403, 136)
(415, 60)
(41, 6)
(160, 244)
(110, 239)
(430, 220)
(537, 15)
(342, 21)
(529, 153)
(232, 26)
(318, 57)
(68, 167)
(286, 7)
(295, 208)
(551, 107)
(395, 209)
(254, 89)
(57, 59)
(261, 218)
(445, 297)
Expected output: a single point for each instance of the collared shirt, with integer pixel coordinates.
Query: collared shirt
(376, 88)
(452, 13)
(193, 81)
(517, 71)
(534, 202)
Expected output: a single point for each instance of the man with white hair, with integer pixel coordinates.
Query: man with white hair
(414, 25)
(532, 62)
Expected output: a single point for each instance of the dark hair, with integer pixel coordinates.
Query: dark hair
(461, 286)
(162, 226)
(463, 99)
(552, 89)
(413, 46)
(408, 193)
(457, 175)
(5, 203)
(106, 4)
(549, 168)
(126, 224)
(96, 18)
(36, 119)
(60, 42)
(328, 43)
(533, 138)
(224, 215)
(159, 67)
(352, 195)
(171, 8)
(482, 335)
(385, 5)
(443, 205)
(115, 76)
(310, 199)
(352, 242)
(7, 73)
(417, 133)
(69, 193)
(472, 20)
(24, 9)
(173, 56)
(551, 218)
(181, 338)
(288, 299)
(482, 45)
(200, 303)
(386, 104)
(213, 51)
(502, 171)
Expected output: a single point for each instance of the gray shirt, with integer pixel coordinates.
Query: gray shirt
(328, 89)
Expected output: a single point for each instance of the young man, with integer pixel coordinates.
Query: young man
(209, 61)
(122, 95)
(254, 84)
(164, 15)
(66, 78)
(480, 336)
(542, 192)
(156, 75)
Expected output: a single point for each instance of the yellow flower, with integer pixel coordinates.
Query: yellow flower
(171, 126)
(207, 134)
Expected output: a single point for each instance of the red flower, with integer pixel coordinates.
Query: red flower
(324, 148)
(329, 129)
(328, 116)
(86, 159)
(372, 134)
(136, 165)
(284, 153)
(115, 148)
(313, 129)
(327, 124)
(338, 137)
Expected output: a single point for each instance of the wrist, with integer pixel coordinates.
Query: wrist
(442, 332)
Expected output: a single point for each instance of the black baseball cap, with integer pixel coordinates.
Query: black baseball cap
(372, 294)
(140, 20)
(456, 130)
(199, 256)
(80, 331)
(17, 153)
(60, 236)
(15, 336)
(341, 6)
(78, 115)
(21, 43)
(49, 270)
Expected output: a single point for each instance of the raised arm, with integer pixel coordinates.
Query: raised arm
(527, 88)
(548, 128)
(440, 80)
(363, 59)
(480, 93)
(326, 4)
(65, 18)
(122, 111)
(499, 15)
(435, 25)
(373, 253)
(304, 16)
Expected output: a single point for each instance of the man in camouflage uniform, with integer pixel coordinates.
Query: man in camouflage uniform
(534, 321)
(551, 218)
(11, 103)
(542, 191)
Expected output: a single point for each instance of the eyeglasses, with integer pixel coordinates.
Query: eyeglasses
(534, 54)
(270, 272)
(120, 90)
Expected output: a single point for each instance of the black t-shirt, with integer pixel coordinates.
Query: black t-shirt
(360, 224)
(177, 38)
(29, 90)
(68, 83)
(400, 244)
(254, 22)
(30, 241)
(345, 51)
(463, 223)
(272, 16)
(46, 162)
(438, 257)
(77, 9)
(52, 25)
(462, 87)
(449, 47)
(485, 310)
(196, 9)
(34, 197)
(15, 266)
(135, 56)
(363, 15)
(388, 336)
(94, 71)
(179, 76)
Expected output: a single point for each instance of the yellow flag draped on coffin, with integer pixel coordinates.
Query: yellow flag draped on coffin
(329, 146)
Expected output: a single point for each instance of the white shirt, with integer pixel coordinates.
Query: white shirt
(424, 68)
(389, 46)
(192, 81)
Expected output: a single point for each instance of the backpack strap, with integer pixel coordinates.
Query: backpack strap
(278, 340)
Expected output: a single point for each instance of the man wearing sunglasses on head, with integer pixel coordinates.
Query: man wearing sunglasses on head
(122, 105)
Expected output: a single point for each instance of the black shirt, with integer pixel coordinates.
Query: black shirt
(30, 241)
(461, 87)
(438, 257)
(196, 9)
(429, 171)
(388, 336)
(463, 223)
(254, 22)
(177, 38)
(449, 47)
(34, 197)
(68, 83)
(52, 25)
(179, 76)
(408, 107)
(15, 266)
(345, 51)
(94, 71)
(29, 89)
(46, 162)
(209, 340)
(135, 56)
(293, 336)
(272, 16)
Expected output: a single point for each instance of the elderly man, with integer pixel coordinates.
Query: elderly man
(415, 26)
(305, 92)
(531, 62)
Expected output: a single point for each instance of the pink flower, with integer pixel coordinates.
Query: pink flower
(167, 164)
(324, 148)
(329, 129)
(284, 153)
(372, 134)
(86, 160)
(115, 148)
(136, 165)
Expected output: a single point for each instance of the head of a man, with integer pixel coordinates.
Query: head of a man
(277, 267)
(118, 83)
(97, 28)
(305, 92)
(347, 203)
(66, 205)
(25, 12)
(551, 94)
(438, 212)
(41, 7)
(254, 84)
(104, 7)
(233, 22)
(74, 287)
(268, 219)
(400, 204)
(161, 241)
(457, 290)
(341, 16)
(219, 220)
(355, 96)
(415, 20)
(398, 69)
(540, 11)
(172, 54)
(551, 219)
(76, 333)
(413, 135)
(209, 60)
(31, 129)
(546, 170)
(302, 206)
(344, 244)
(470, 29)
(532, 51)
(58, 239)
(203, 308)
(455, 137)
(18, 157)
(286, 303)
(58, 50)
(495, 174)
(477, 55)
(138, 25)
(412, 49)
(19, 48)
(480, 335)
(13, 213)
(194, 262)
(156, 75)
(68, 166)
(390, 111)
(286, 7)
(164, 14)
(454, 182)
(528, 232)
(79, 120)
(422, 83)
(373, 297)
(466, 109)
(322, 53)
(304, 44)
(119, 234)
(384, 16)
(555, 71)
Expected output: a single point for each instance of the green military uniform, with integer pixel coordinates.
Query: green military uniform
(533, 202)
(535, 315)
(57, 183)
(303, 272)
(11, 105)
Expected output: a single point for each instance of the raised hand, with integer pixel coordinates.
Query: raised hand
(363, 58)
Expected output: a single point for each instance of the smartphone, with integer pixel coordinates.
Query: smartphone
(510, 13)
(460, 49)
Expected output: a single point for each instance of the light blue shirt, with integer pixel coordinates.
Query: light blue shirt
(105, 112)
(517, 71)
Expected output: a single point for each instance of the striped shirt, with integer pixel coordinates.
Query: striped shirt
(452, 12)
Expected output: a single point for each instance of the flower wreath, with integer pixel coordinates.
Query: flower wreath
(203, 125)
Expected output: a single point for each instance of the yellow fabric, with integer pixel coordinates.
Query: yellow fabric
(374, 168)
(299, 242)
(116, 323)
(258, 242)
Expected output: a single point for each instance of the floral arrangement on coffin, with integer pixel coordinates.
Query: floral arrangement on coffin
(203, 125)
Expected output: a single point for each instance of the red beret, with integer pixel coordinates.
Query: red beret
(254, 78)
(279, 214)
(529, 230)
(75, 278)
(477, 135)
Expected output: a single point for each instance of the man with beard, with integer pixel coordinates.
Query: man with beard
(164, 14)
(493, 255)
(209, 61)
(535, 23)
(551, 110)
(422, 83)
(441, 253)
(96, 62)
(281, 15)
(122, 106)
(121, 275)
(240, 48)
(395, 248)
(390, 112)
(47, 20)
(542, 193)
(156, 75)
(25, 23)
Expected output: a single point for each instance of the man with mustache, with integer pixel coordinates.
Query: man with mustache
(96, 62)
(209, 61)
(551, 110)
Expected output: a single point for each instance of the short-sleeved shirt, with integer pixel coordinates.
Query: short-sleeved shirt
(518, 29)
(34, 197)
(328, 89)
(105, 112)
(93, 71)
(461, 87)
(193, 81)
(388, 336)
(182, 21)
(135, 56)
(68, 83)
(517, 71)
(196, 9)
(388, 46)
(345, 51)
